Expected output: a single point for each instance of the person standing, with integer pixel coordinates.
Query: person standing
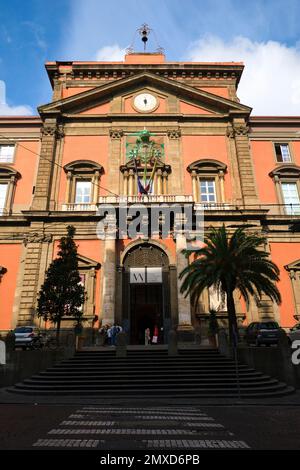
(147, 336)
(155, 335)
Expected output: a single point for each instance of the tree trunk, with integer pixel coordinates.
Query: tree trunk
(233, 327)
(58, 331)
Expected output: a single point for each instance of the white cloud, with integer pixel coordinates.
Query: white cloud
(7, 110)
(270, 83)
(110, 53)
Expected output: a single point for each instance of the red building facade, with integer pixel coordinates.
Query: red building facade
(60, 167)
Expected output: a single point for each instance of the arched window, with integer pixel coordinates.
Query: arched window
(8, 180)
(83, 178)
(287, 185)
(208, 181)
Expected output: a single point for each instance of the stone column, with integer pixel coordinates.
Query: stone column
(131, 183)
(185, 328)
(165, 180)
(195, 186)
(109, 279)
(125, 183)
(95, 187)
(159, 182)
(68, 187)
(222, 190)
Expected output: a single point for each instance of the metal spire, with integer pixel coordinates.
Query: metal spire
(144, 32)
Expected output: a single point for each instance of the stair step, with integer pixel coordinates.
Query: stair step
(151, 374)
(154, 392)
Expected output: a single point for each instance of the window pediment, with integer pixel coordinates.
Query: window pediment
(83, 167)
(294, 266)
(286, 171)
(207, 166)
(7, 172)
(131, 165)
(87, 263)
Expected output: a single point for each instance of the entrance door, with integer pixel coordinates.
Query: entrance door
(146, 305)
(146, 293)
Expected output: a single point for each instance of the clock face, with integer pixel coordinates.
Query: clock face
(145, 102)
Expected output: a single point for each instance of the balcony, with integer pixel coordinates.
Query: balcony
(79, 207)
(146, 199)
(282, 210)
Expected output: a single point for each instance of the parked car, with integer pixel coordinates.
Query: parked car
(294, 333)
(27, 337)
(259, 333)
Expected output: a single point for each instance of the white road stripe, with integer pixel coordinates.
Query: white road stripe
(67, 443)
(121, 431)
(199, 444)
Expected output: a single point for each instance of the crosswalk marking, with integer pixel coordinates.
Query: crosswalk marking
(198, 444)
(182, 428)
(67, 443)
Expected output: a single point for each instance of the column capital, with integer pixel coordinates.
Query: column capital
(116, 133)
(174, 133)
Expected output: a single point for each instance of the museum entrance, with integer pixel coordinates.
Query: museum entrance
(146, 311)
(146, 294)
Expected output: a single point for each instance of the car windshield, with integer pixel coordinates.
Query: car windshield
(23, 329)
(268, 325)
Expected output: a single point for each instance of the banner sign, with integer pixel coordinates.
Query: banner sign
(145, 275)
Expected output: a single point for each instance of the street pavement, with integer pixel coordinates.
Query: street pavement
(161, 427)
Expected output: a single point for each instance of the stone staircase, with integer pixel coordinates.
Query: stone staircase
(151, 373)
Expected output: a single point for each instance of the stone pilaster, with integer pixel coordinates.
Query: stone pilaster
(30, 279)
(50, 133)
(176, 182)
(239, 132)
(185, 328)
(115, 160)
(108, 281)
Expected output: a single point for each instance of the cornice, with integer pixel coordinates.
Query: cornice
(108, 90)
(65, 71)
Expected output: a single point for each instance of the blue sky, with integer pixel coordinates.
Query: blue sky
(263, 34)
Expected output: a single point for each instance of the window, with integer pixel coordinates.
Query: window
(208, 181)
(7, 153)
(83, 178)
(3, 193)
(83, 192)
(287, 185)
(208, 191)
(283, 153)
(294, 273)
(291, 198)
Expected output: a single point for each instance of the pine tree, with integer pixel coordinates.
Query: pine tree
(62, 294)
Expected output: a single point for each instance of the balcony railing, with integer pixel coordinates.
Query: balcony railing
(292, 210)
(146, 199)
(78, 207)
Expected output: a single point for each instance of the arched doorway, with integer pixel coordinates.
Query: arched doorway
(146, 292)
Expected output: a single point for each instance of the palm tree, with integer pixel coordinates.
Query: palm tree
(230, 262)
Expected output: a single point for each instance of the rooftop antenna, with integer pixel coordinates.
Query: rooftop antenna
(144, 31)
